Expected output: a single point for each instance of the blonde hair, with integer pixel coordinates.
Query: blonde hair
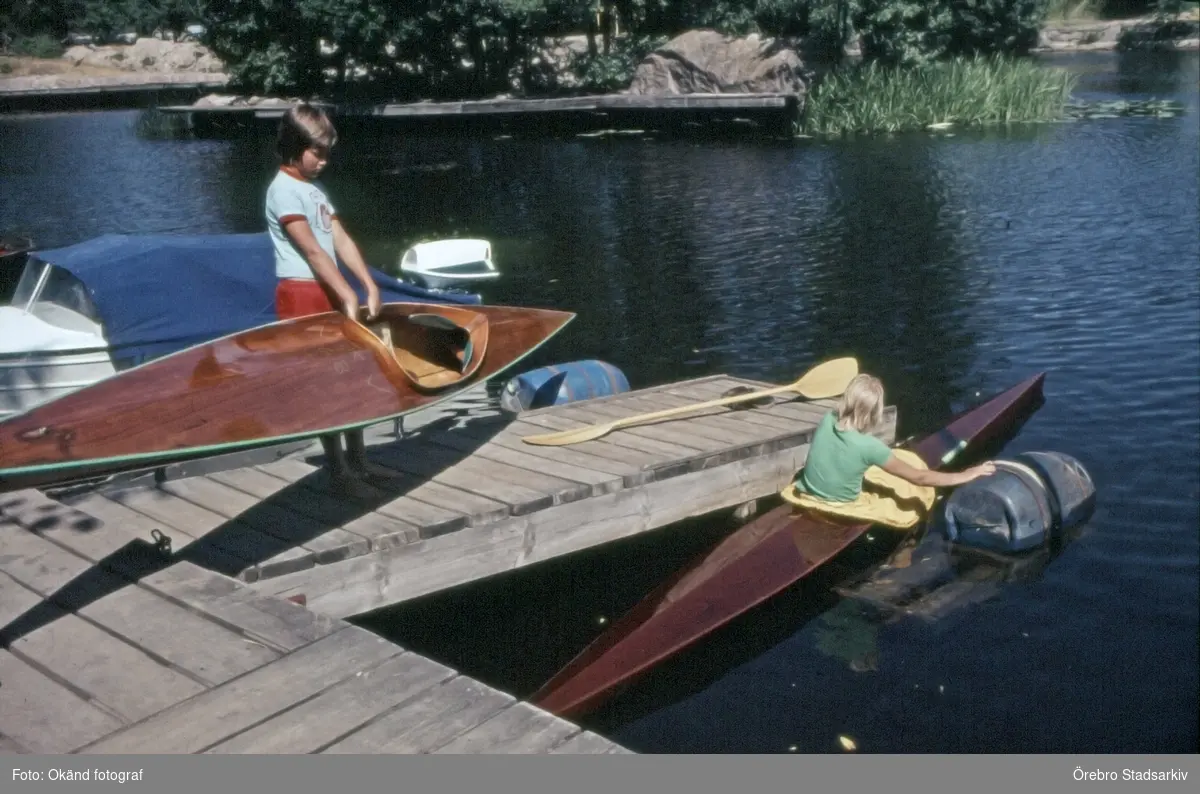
(301, 127)
(861, 406)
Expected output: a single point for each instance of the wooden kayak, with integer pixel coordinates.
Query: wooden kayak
(751, 565)
(281, 382)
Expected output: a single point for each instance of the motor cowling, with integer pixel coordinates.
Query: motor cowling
(1029, 501)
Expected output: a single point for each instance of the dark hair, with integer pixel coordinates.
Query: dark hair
(301, 127)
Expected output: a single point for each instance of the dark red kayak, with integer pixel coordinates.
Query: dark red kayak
(753, 564)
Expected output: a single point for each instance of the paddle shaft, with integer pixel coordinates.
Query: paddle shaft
(683, 409)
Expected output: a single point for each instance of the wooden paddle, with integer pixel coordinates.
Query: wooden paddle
(822, 381)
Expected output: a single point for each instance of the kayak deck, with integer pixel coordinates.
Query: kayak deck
(282, 382)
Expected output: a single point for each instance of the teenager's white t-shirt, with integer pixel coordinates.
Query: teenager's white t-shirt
(291, 197)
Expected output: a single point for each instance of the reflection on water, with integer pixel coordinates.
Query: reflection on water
(952, 265)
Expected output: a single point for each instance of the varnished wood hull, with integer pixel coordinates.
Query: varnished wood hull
(753, 564)
(281, 382)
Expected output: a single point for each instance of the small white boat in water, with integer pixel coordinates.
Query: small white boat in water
(449, 264)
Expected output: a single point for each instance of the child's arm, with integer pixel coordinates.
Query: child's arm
(936, 479)
(349, 253)
(323, 267)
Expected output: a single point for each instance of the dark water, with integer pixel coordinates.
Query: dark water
(949, 265)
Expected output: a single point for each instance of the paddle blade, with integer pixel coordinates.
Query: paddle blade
(828, 379)
(562, 438)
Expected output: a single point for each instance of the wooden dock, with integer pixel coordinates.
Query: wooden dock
(205, 615)
(111, 645)
(773, 113)
(104, 95)
(466, 503)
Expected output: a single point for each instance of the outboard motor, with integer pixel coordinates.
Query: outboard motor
(561, 384)
(1030, 501)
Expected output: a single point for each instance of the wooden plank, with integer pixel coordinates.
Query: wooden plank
(171, 633)
(38, 513)
(389, 577)
(115, 673)
(429, 520)
(341, 709)
(428, 722)
(384, 532)
(15, 600)
(737, 425)
(598, 481)
(275, 622)
(784, 406)
(572, 456)
(619, 397)
(42, 715)
(296, 496)
(519, 729)
(209, 651)
(327, 543)
(742, 415)
(37, 563)
(636, 460)
(428, 566)
(690, 429)
(492, 481)
(10, 746)
(205, 720)
(585, 743)
(124, 526)
(477, 509)
(229, 535)
(626, 438)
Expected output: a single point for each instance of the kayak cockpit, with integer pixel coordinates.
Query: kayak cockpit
(435, 347)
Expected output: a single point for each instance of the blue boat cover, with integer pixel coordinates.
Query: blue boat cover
(159, 293)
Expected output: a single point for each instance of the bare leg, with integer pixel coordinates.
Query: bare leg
(343, 479)
(356, 456)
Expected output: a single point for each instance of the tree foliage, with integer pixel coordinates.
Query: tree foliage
(466, 48)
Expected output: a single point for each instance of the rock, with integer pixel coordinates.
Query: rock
(706, 62)
(147, 55)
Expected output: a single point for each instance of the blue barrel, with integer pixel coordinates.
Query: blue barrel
(561, 384)
(1025, 504)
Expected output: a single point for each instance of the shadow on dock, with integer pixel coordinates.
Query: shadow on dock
(263, 537)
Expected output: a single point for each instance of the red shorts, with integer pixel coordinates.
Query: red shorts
(299, 297)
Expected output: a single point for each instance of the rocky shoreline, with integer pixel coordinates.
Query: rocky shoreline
(153, 61)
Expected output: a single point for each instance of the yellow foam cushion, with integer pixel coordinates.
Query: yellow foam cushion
(885, 498)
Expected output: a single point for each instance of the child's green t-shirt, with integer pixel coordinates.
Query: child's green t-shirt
(837, 461)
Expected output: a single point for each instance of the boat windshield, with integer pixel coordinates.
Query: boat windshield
(44, 286)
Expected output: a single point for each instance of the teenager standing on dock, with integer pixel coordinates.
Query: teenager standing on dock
(308, 239)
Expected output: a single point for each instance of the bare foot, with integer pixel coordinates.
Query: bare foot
(349, 486)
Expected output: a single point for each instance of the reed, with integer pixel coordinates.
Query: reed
(964, 91)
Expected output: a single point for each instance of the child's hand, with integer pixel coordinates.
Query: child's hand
(350, 306)
(984, 470)
(374, 304)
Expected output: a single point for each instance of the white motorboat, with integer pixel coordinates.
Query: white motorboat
(51, 340)
(84, 312)
(449, 264)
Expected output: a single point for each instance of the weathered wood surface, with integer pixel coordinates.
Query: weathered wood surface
(469, 501)
(641, 478)
(488, 107)
(113, 646)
